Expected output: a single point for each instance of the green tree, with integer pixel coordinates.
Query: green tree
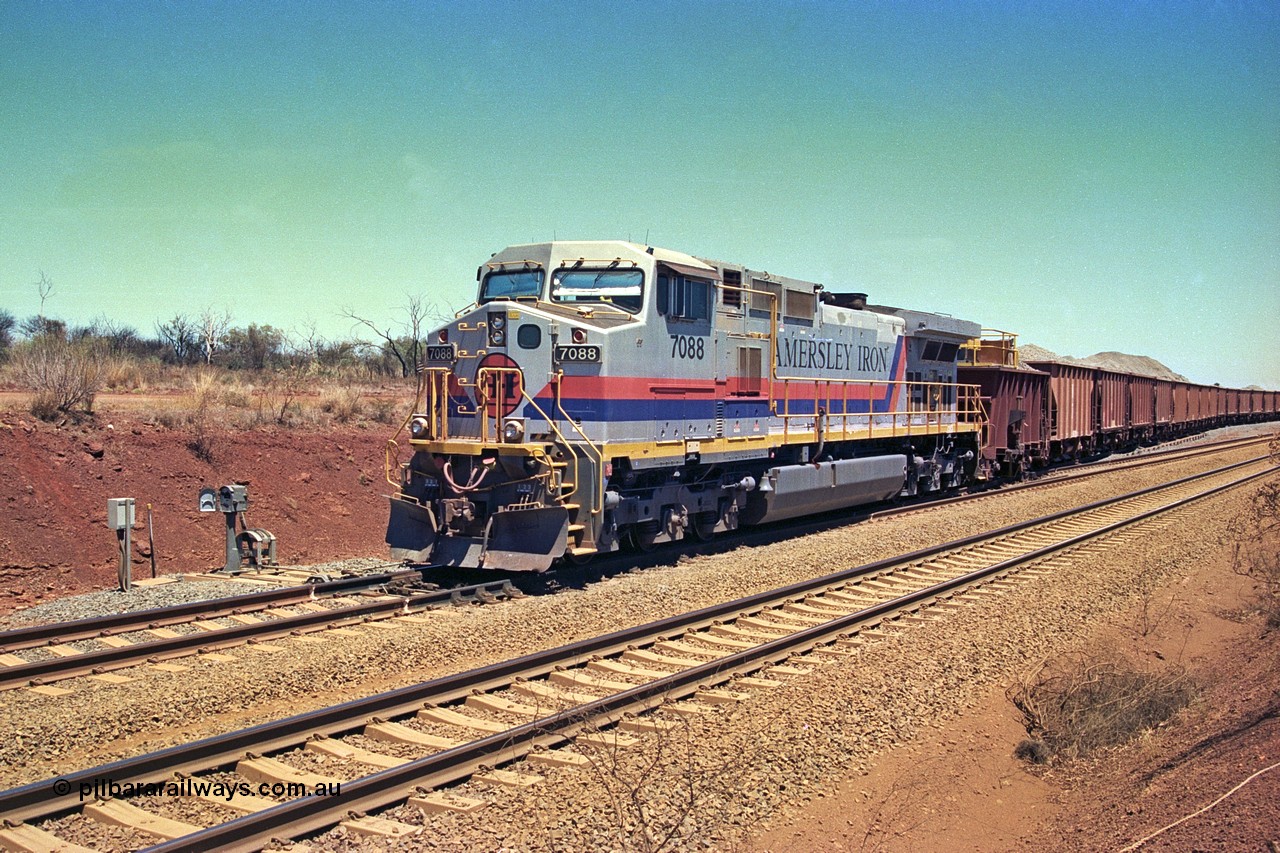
(8, 323)
(254, 348)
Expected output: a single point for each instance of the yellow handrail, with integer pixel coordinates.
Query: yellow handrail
(597, 504)
(933, 413)
(994, 347)
(483, 386)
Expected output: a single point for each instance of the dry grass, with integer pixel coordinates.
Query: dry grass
(344, 402)
(203, 400)
(237, 395)
(122, 374)
(207, 399)
(384, 410)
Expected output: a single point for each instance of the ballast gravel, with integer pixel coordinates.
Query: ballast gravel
(180, 591)
(724, 770)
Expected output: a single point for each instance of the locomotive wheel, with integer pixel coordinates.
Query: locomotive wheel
(703, 526)
(643, 537)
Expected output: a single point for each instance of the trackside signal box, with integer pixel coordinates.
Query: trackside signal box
(224, 499)
(120, 512)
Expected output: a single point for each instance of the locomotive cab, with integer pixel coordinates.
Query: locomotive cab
(505, 390)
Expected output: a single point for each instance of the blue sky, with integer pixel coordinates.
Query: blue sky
(1092, 176)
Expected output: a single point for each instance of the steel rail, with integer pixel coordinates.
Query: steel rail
(110, 624)
(39, 799)
(314, 813)
(104, 660)
(1157, 452)
(1070, 475)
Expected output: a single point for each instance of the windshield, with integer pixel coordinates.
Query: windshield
(511, 284)
(623, 288)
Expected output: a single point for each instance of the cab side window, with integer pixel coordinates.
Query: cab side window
(686, 298)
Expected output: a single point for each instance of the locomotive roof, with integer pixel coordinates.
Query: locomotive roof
(929, 323)
(559, 251)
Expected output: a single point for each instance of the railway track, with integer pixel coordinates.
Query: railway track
(96, 647)
(528, 712)
(99, 646)
(87, 629)
(1071, 474)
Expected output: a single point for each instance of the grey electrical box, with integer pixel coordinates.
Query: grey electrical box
(120, 513)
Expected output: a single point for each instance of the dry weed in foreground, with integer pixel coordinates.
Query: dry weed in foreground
(665, 788)
(1089, 704)
(204, 395)
(1257, 548)
(902, 810)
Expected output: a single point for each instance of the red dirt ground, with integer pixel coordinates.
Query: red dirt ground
(320, 493)
(962, 789)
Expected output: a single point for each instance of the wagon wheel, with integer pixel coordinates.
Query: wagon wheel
(644, 536)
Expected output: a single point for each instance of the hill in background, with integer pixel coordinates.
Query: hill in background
(1120, 362)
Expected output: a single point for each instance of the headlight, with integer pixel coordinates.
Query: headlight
(512, 431)
(418, 427)
(497, 323)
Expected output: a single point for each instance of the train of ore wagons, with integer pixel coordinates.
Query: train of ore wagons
(602, 395)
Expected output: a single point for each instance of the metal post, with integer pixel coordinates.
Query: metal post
(120, 519)
(151, 541)
(233, 550)
(125, 573)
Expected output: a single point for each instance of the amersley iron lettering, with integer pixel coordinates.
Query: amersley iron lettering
(817, 354)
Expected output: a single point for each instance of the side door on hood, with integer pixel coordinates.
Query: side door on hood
(687, 395)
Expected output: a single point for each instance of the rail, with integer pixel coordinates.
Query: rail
(132, 654)
(455, 764)
(117, 623)
(433, 385)
(597, 502)
(995, 347)
(1078, 472)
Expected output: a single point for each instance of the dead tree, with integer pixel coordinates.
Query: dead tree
(406, 347)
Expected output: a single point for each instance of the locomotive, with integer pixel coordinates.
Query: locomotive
(607, 394)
